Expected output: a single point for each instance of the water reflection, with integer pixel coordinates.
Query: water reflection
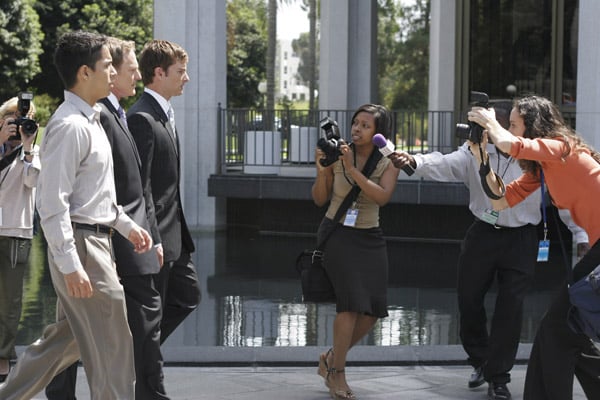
(251, 297)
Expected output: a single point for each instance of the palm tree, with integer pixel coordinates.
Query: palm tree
(271, 51)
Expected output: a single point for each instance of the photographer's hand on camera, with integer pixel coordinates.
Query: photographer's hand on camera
(486, 118)
(321, 189)
(7, 130)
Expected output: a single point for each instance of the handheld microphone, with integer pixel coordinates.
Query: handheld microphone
(386, 148)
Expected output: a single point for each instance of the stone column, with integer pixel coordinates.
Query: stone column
(348, 54)
(199, 27)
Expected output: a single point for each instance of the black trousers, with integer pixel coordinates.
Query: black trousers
(143, 315)
(177, 283)
(558, 353)
(507, 255)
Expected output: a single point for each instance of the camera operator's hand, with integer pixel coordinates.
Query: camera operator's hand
(401, 159)
(478, 148)
(7, 129)
(347, 156)
(482, 116)
(27, 140)
(320, 155)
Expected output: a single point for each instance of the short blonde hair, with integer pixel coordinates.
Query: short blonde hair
(10, 107)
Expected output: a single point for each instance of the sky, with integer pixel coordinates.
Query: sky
(291, 21)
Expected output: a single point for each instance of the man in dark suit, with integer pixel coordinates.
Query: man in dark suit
(163, 66)
(137, 272)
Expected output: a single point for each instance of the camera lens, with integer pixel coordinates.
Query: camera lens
(29, 126)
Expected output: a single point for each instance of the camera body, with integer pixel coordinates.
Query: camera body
(27, 125)
(472, 131)
(330, 144)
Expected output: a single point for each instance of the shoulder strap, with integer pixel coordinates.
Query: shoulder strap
(368, 169)
(6, 161)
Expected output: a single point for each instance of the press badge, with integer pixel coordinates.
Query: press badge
(543, 250)
(351, 215)
(490, 216)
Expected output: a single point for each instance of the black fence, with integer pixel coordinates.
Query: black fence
(262, 141)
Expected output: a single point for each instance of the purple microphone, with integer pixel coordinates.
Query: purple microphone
(386, 148)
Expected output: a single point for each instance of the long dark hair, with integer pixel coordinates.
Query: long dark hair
(383, 119)
(543, 120)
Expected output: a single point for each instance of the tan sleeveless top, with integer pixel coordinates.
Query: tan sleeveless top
(368, 210)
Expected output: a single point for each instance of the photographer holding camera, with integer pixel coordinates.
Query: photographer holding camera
(18, 178)
(499, 246)
(355, 255)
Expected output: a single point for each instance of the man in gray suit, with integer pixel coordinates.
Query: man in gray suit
(136, 271)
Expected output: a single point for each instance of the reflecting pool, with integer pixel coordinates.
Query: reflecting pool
(251, 296)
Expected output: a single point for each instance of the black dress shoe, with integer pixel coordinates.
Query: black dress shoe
(476, 379)
(498, 391)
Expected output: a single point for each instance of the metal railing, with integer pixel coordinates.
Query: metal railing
(261, 141)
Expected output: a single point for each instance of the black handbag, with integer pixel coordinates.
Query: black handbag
(316, 285)
(584, 314)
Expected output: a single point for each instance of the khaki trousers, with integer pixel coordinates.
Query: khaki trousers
(93, 329)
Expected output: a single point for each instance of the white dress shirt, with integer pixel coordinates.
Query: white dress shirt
(77, 183)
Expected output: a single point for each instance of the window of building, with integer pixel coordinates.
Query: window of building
(525, 46)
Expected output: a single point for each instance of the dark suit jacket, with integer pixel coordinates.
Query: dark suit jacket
(159, 151)
(130, 195)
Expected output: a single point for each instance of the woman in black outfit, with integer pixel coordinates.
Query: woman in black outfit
(355, 253)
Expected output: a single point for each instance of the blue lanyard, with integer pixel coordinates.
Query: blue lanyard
(543, 204)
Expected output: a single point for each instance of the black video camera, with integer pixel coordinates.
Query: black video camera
(27, 125)
(473, 131)
(330, 144)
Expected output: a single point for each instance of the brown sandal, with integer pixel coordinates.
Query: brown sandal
(323, 366)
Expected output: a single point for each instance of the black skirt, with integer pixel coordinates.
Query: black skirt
(357, 264)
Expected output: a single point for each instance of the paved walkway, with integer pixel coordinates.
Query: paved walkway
(290, 383)
(290, 373)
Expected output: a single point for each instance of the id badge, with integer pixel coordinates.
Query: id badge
(0, 216)
(490, 216)
(543, 251)
(351, 215)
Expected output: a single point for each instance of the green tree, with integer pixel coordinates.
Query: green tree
(127, 19)
(20, 38)
(246, 51)
(403, 53)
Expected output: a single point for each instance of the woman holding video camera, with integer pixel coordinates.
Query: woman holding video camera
(19, 171)
(355, 253)
(551, 151)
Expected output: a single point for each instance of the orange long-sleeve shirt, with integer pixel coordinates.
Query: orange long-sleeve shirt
(573, 181)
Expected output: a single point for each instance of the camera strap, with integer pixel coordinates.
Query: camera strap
(484, 170)
(6, 161)
(368, 169)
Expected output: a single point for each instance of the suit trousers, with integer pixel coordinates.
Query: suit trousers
(177, 283)
(507, 256)
(559, 353)
(14, 257)
(94, 329)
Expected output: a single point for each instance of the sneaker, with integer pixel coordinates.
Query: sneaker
(476, 379)
(498, 391)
